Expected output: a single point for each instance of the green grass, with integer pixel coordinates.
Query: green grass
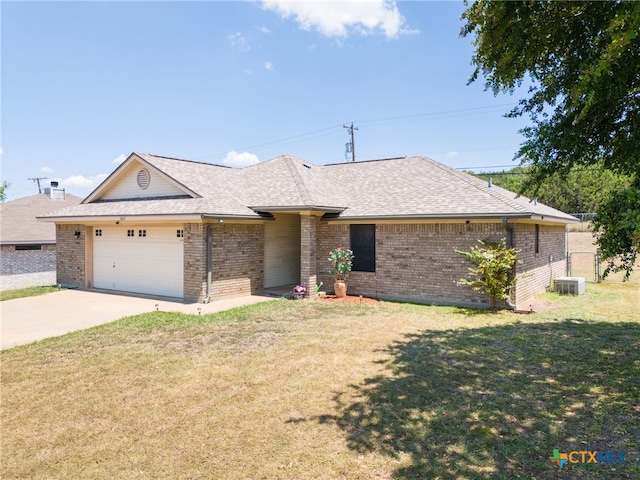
(27, 292)
(296, 390)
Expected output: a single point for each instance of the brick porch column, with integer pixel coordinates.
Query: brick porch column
(308, 267)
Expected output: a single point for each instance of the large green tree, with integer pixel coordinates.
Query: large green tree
(580, 64)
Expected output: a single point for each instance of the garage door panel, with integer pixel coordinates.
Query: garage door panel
(151, 264)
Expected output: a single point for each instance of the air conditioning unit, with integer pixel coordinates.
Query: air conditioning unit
(569, 285)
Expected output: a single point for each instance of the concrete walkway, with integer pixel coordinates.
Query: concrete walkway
(26, 320)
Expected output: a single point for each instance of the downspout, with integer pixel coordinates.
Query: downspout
(509, 243)
(509, 228)
(207, 299)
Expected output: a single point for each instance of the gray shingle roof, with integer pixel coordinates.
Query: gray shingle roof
(407, 187)
(420, 187)
(290, 181)
(18, 222)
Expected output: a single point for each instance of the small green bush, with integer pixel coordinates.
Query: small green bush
(493, 269)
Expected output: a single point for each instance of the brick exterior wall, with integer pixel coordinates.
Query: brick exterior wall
(27, 268)
(329, 237)
(70, 257)
(25, 280)
(414, 262)
(417, 262)
(237, 259)
(15, 262)
(195, 262)
(537, 270)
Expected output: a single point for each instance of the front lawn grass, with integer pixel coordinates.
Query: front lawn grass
(27, 292)
(310, 390)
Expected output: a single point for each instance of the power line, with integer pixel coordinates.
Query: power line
(280, 141)
(592, 169)
(379, 121)
(435, 115)
(488, 166)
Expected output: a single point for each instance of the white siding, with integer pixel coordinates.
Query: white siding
(128, 187)
(151, 264)
(282, 251)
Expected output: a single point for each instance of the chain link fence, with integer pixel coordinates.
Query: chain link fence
(586, 220)
(584, 264)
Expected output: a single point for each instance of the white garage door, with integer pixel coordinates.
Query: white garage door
(141, 260)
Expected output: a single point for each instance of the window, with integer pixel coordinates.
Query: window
(99, 232)
(130, 233)
(537, 239)
(28, 247)
(363, 245)
(180, 233)
(142, 233)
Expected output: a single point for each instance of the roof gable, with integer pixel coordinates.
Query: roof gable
(136, 178)
(288, 181)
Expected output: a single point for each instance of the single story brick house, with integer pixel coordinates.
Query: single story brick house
(198, 231)
(28, 247)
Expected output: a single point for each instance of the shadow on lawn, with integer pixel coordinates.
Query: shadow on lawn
(494, 402)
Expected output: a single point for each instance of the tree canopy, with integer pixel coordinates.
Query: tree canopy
(3, 190)
(581, 190)
(580, 62)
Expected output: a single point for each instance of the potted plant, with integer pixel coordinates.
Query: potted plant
(299, 291)
(341, 260)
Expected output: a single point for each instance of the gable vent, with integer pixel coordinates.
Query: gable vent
(143, 178)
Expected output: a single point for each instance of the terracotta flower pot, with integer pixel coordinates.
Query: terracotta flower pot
(340, 287)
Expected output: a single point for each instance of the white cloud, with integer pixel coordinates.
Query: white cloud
(82, 182)
(46, 170)
(238, 42)
(244, 159)
(340, 18)
(452, 154)
(268, 66)
(120, 158)
(265, 30)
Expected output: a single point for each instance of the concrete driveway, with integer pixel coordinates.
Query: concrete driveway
(26, 320)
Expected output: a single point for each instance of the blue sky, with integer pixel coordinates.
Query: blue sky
(84, 84)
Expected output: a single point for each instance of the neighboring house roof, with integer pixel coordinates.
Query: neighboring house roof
(398, 188)
(18, 224)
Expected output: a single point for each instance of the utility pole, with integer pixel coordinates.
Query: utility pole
(37, 180)
(351, 128)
